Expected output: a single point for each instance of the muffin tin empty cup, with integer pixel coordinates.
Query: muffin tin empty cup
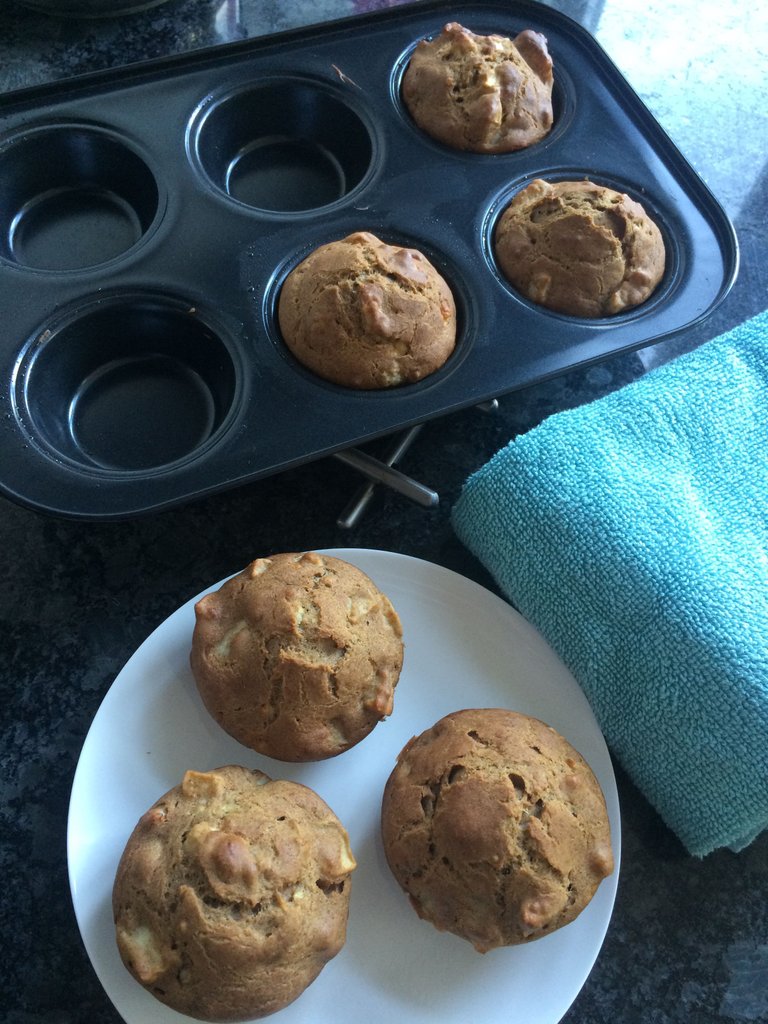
(72, 197)
(127, 385)
(285, 146)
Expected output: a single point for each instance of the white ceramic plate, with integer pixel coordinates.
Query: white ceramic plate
(464, 648)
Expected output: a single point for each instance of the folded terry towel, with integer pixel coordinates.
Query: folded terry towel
(633, 532)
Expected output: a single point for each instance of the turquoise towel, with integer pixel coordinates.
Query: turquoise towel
(633, 532)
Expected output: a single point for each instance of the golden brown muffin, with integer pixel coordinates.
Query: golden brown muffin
(487, 94)
(495, 827)
(364, 314)
(297, 656)
(579, 248)
(232, 894)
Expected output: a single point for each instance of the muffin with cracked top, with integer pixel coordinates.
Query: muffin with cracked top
(579, 248)
(495, 827)
(481, 93)
(232, 894)
(297, 656)
(365, 314)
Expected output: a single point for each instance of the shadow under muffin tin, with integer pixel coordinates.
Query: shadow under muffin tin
(149, 215)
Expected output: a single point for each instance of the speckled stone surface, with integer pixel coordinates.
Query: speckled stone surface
(689, 939)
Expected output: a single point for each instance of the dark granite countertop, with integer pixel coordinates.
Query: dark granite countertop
(688, 941)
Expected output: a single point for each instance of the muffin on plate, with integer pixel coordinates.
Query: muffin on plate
(364, 314)
(297, 656)
(495, 827)
(232, 893)
(579, 248)
(485, 94)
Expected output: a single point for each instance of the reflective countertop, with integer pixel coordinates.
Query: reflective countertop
(688, 941)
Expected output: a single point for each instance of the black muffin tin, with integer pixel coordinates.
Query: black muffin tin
(149, 215)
